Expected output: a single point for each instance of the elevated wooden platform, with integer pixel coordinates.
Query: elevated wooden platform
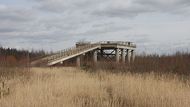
(117, 44)
(119, 49)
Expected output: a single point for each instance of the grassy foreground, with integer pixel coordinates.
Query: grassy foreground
(71, 87)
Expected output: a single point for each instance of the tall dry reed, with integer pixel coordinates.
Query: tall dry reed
(70, 87)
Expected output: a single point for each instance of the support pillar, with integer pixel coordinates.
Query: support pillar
(133, 55)
(117, 55)
(78, 61)
(95, 56)
(123, 55)
(101, 54)
(128, 55)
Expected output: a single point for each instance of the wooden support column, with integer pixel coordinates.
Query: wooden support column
(101, 54)
(78, 61)
(117, 55)
(133, 55)
(123, 55)
(95, 56)
(128, 55)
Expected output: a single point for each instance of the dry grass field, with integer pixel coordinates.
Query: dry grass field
(71, 87)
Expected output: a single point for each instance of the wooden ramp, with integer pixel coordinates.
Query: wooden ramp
(64, 55)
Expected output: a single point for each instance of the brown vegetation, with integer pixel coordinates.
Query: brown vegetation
(178, 64)
(70, 87)
(151, 81)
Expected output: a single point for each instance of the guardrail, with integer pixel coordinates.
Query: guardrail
(130, 44)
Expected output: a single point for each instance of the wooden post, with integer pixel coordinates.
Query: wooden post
(95, 56)
(123, 55)
(129, 55)
(117, 55)
(133, 55)
(78, 61)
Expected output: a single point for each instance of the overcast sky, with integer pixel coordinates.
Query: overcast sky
(161, 26)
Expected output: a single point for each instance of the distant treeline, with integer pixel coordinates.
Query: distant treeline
(14, 57)
(178, 63)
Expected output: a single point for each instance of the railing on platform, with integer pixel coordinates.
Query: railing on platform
(130, 44)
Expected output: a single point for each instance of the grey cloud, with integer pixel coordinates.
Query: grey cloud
(5, 30)
(15, 14)
(137, 7)
(174, 6)
(164, 3)
(103, 24)
(46, 41)
(103, 29)
(61, 6)
(119, 12)
(59, 23)
(114, 8)
(15, 20)
(22, 27)
(140, 38)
